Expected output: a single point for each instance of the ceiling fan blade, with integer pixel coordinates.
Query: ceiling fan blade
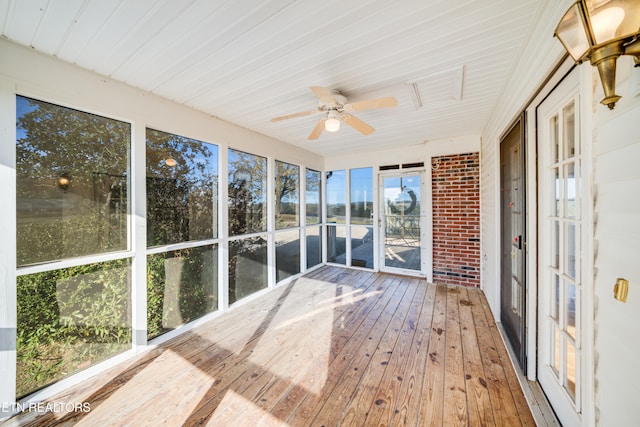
(291, 116)
(372, 104)
(324, 95)
(357, 124)
(315, 133)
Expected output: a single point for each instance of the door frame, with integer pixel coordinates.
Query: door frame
(426, 251)
(585, 77)
(524, 238)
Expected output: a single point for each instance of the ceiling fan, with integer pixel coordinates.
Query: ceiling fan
(336, 109)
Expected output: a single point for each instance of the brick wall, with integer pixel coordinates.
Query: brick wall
(456, 219)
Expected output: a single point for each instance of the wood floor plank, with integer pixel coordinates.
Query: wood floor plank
(479, 402)
(504, 408)
(342, 364)
(524, 412)
(384, 402)
(371, 378)
(455, 394)
(360, 320)
(335, 347)
(333, 406)
(432, 402)
(407, 407)
(296, 356)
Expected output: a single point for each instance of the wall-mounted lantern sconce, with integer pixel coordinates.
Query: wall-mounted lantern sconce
(601, 31)
(64, 181)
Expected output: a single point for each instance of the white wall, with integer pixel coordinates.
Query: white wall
(616, 187)
(417, 153)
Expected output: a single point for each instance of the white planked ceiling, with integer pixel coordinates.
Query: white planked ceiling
(248, 61)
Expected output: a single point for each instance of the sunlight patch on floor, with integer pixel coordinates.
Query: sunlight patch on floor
(185, 380)
(239, 409)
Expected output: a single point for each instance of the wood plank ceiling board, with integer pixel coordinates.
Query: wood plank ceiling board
(247, 62)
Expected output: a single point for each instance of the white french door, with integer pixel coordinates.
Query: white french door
(560, 265)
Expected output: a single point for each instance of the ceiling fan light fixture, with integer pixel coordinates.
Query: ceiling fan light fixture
(332, 124)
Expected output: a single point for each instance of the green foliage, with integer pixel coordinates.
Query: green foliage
(89, 216)
(69, 319)
(181, 199)
(181, 287)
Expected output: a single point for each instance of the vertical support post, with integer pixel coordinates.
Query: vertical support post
(139, 236)
(8, 291)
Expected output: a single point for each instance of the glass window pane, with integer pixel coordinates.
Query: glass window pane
(287, 254)
(555, 142)
(569, 132)
(556, 298)
(72, 172)
(571, 189)
(570, 297)
(362, 246)
(570, 249)
(182, 286)
(570, 370)
(70, 319)
(287, 198)
(313, 197)
(555, 363)
(314, 246)
(336, 197)
(555, 248)
(247, 193)
(572, 33)
(557, 192)
(361, 183)
(336, 244)
(247, 267)
(182, 188)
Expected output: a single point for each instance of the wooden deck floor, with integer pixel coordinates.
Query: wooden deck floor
(336, 347)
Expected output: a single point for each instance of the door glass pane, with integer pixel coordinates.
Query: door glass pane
(182, 188)
(555, 304)
(569, 137)
(362, 246)
(402, 222)
(555, 244)
(70, 319)
(556, 349)
(571, 297)
(182, 286)
(287, 254)
(314, 246)
(313, 198)
(570, 249)
(570, 192)
(557, 192)
(247, 193)
(570, 378)
(336, 197)
(287, 200)
(72, 174)
(555, 142)
(337, 244)
(247, 267)
(361, 183)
